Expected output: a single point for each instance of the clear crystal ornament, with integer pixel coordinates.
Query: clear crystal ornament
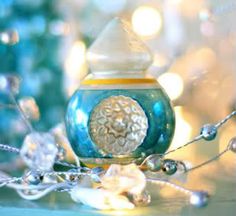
(39, 151)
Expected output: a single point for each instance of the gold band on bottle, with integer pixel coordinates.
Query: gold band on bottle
(118, 81)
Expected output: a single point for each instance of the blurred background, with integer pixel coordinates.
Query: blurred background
(194, 47)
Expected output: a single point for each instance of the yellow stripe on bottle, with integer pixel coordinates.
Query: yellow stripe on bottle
(118, 81)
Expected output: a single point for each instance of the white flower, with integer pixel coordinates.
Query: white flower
(100, 198)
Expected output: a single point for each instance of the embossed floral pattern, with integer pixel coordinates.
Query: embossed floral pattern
(118, 125)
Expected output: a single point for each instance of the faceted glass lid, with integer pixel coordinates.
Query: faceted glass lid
(118, 50)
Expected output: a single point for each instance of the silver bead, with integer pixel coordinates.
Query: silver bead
(96, 174)
(169, 167)
(142, 199)
(199, 198)
(209, 132)
(33, 177)
(232, 145)
(154, 163)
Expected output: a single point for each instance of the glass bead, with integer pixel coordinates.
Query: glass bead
(209, 132)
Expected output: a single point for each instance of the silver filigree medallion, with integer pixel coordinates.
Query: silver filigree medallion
(118, 125)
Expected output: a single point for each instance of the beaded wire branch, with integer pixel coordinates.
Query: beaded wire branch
(119, 187)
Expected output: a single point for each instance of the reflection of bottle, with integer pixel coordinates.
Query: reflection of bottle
(119, 115)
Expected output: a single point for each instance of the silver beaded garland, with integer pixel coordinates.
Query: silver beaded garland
(33, 183)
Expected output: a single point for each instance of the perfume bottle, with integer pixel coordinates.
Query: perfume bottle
(119, 114)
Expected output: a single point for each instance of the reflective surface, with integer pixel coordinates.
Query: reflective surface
(154, 103)
(222, 187)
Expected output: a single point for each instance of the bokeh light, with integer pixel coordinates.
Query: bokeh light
(183, 130)
(172, 83)
(204, 14)
(146, 21)
(160, 61)
(230, 159)
(205, 57)
(75, 67)
(76, 58)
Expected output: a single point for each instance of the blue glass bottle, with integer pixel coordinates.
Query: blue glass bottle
(118, 115)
